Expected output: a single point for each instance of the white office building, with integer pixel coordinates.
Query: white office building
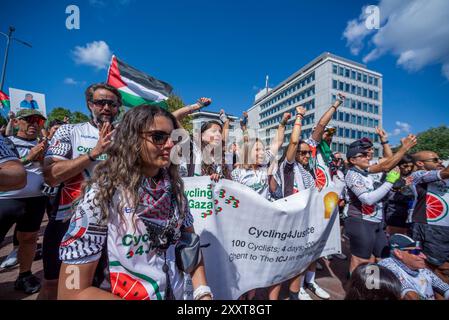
(200, 117)
(315, 86)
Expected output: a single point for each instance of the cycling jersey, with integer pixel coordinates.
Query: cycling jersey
(135, 264)
(364, 199)
(321, 169)
(432, 198)
(422, 281)
(35, 177)
(255, 179)
(292, 178)
(7, 150)
(70, 142)
(398, 204)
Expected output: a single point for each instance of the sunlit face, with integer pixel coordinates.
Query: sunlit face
(412, 261)
(429, 161)
(258, 153)
(30, 126)
(303, 154)
(328, 135)
(157, 143)
(107, 112)
(361, 160)
(212, 135)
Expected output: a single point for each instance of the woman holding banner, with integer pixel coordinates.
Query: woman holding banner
(131, 215)
(291, 177)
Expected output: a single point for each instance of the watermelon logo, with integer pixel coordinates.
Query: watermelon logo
(321, 180)
(128, 288)
(368, 210)
(436, 207)
(70, 192)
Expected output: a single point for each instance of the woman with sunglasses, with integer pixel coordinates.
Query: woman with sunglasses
(364, 224)
(292, 177)
(131, 215)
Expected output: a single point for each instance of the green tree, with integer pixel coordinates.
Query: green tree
(174, 102)
(3, 121)
(434, 139)
(60, 113)
(78, 117)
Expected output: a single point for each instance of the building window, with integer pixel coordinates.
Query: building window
(347, 86)
(346, 133)
(365, 121)
(376, 152)
(359, 91)
(359, 120)
(370, 94)
(340, 131)
(347, 117)
(376, 123)
(364, 78)
(353, 89)
(370, 80)
(340, 85)
(365, 92)
(370, 108)
(376, 82)
(353, 119)
(347, 73)
(353, 134)
(359, 76)
(340, 71)
(376, 109)
(370, 123)
(359, 135)
(334, 84)
(376, 95)
(353, 74)
(353, 104)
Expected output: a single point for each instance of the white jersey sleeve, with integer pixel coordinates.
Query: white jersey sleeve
(61, 143)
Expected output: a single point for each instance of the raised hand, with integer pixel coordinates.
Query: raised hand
(104, 140)
(37, 152)
(301, 110)
(382, 134)
(409, 142)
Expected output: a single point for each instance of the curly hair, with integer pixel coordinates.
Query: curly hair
(123, 169)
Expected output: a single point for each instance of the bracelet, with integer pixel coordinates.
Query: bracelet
(202, 291)
(24, 160)
(385, 142)
(90, 157)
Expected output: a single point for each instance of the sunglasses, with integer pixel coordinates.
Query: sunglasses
(104, 102)
(157, 137)
(304, 153)
(414, 251)
(34, 119)
(363, 155)
(434, 160)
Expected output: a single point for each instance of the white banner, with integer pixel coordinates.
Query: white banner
(250, 242)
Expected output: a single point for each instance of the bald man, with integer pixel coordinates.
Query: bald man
(431, 210)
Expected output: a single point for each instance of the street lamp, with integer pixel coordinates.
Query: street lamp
(9, 38)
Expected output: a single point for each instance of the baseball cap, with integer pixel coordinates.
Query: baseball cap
(326, 128)
(401, 241)
(363, 143)
(353, 151)
(23, 113)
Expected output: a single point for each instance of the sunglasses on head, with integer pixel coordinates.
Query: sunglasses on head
(104, 102)
(157, 137)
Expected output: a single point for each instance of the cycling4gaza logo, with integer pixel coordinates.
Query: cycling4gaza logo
(203, 199)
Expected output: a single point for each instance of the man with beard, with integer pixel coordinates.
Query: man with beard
(25, 207)
(74, 151)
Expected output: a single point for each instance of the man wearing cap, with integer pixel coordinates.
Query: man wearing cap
(408, 263)
(26, 206)
(431, 212)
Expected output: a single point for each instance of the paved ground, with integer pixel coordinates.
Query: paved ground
(332, 278)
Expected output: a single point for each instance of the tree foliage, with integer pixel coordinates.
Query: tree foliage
(174, 103)
(60, 113)
(434, 139)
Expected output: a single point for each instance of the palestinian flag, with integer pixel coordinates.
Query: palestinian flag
(4, 104)
(4, 100)
(137, 87)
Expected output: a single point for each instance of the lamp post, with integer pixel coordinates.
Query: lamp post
(5, 61)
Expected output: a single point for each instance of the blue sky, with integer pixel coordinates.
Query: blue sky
(222, 49)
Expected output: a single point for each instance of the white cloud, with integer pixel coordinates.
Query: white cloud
(70, 81)
(415, 31)
(96, 54)
(401, 128)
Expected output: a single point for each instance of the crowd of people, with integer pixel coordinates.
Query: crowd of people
(102, 185)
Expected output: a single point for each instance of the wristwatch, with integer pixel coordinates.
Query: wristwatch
(90, 157)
